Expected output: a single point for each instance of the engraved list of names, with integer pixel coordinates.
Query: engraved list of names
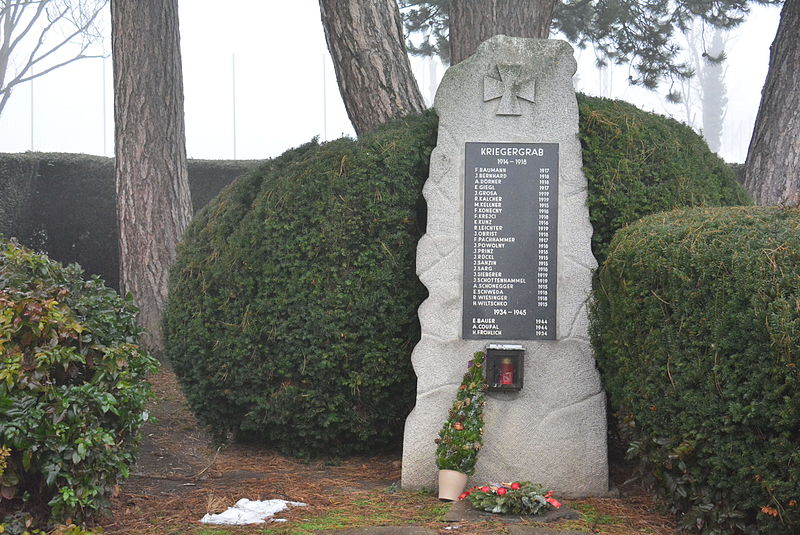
(510, 241)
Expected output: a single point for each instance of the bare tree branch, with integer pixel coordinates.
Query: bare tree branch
(25, 35)
(27, 29)
(54, 67)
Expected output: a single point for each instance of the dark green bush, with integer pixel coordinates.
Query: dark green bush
(293, 306)
(65, 204)
(72, 389)
(639, 163)
(16, 187)
(696, 326)
(72, 212)
(293, 301)
(208, 177)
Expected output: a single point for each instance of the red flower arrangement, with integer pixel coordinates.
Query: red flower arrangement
(521, 498)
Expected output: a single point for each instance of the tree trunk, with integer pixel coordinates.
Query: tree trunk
(153, 203)
(472, 22)
(365, 39)
(772, 170)
(713, 92)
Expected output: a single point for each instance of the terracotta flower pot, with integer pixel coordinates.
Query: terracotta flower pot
(451, 484)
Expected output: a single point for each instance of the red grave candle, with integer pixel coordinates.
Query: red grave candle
(506, 372)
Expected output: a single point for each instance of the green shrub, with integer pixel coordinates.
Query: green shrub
(293, 307)
(208, 177)
(72, 212)
(639, 163)
(16, 187)
(72, 387)
(696, 326)
(293, 301)
(65, 204)
(461, 437)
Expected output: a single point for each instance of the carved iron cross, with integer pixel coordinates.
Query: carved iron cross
(509, 88)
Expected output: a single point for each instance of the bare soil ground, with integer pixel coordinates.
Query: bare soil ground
(181, 475)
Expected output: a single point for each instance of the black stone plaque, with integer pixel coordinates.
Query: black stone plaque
(510, 241)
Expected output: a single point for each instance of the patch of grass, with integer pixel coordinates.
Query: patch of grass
(574, 525)
(365, 509)
(427, 506)
(214, 532)
(435, 512)
(592, 516)
(594, 521)
(336, 519)
(343, 518)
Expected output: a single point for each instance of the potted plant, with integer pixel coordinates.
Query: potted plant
(461, 436)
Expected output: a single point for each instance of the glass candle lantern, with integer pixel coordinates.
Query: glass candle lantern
(505, 366)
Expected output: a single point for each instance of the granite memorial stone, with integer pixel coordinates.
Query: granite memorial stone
(507, 259)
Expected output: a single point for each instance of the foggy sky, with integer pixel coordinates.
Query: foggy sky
(285, 86)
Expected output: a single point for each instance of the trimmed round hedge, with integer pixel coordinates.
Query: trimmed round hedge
(72, 387)
(639, 163)
(696, 327)
(292, 310)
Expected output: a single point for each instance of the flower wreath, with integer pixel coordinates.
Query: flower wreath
(517, 498)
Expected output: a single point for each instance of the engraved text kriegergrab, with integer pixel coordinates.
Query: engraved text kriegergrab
(510, 241)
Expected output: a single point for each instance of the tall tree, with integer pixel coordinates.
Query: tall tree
(772, 169)
(35, 34)
(713, 91)
(623, 31)
(705, 92)
(365, 39)
(153, 202)
(471, 23)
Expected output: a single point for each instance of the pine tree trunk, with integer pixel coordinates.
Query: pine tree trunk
(365, 39)
(772, 170)
(153, 203)
(472, 22)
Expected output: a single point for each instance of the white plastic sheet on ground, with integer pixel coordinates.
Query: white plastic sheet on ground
(249, 512)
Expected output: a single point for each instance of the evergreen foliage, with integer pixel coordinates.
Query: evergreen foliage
(516, 498)
(16, 186)
(293, 301)
(65, 204)
(292, 313)
(639, 163)
(461, 437)
(72, 388)
(431, 20)
(625, 31)
(696, 330)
